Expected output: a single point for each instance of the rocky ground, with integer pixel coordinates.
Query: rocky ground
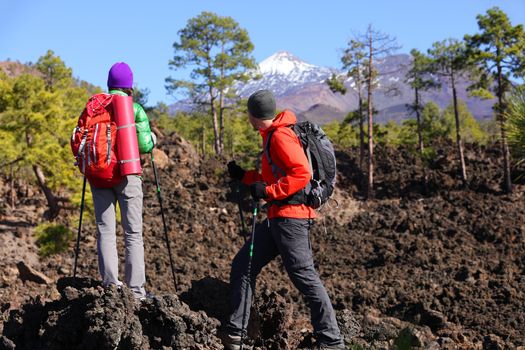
(429, 265)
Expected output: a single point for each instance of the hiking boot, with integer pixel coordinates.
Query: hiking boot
(331, 347)
(230, 342)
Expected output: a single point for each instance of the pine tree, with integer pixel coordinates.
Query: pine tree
(56, 75)
(38, 110)
(419, 79)
(29, 119)
(499, 49)
(220, 52)
(377, 46)
(353, 60)
(449, 61)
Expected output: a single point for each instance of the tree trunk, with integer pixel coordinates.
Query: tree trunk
(221, 122)
(458, 134)
(358, 81)
(504, 145)
(216, 135)
(52, 200)
(216, 142)
(370, 188)
(221, 109)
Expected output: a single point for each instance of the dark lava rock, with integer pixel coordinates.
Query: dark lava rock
(444, 256)
(348, 324)
(88, 316)
(6, 344)
(270, 321)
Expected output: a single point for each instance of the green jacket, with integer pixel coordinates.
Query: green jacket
(142, 124)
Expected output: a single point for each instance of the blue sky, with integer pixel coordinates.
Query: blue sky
(91, 35)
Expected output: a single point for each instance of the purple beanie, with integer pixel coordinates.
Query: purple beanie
(120, 76)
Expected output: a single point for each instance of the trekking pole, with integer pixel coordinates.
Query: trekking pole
(238, 193)
(249, 272)
(77, 248)
(159, 196)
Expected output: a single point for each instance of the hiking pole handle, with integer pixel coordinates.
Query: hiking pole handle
(159, 196)
(77, 248)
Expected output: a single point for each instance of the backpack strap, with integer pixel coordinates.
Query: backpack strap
(276, 170)
(95, 138)
(80, 153)
(108, 138)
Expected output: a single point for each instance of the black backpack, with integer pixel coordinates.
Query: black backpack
(320, 153)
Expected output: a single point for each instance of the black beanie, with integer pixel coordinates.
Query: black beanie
(261, 105)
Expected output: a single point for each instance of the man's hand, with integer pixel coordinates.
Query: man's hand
(258, 190)
(236, 172)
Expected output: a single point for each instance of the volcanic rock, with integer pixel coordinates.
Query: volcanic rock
(27, 273)
(89, 316)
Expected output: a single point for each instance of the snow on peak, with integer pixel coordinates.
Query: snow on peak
(283, 71)
(283, 63)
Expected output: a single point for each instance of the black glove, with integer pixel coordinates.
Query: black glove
(258, 190)
(236, 172)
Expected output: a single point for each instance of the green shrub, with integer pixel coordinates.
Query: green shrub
(405, 340)
(52, 239)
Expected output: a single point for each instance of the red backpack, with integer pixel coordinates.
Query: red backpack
(93, 142)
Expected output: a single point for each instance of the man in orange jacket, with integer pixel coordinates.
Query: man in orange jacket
(285, 231)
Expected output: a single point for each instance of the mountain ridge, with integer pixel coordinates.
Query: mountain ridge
(300, 87)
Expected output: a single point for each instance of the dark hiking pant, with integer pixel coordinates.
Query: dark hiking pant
(288, 238)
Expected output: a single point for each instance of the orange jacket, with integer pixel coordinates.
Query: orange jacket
(287, 153)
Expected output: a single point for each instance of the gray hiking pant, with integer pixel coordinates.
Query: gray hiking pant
(129, 196)
(289, 238)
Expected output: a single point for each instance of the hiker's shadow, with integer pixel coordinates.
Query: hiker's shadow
(210, 295)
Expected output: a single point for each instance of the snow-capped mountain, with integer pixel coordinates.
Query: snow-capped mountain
(301, 87)
(283, 71)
